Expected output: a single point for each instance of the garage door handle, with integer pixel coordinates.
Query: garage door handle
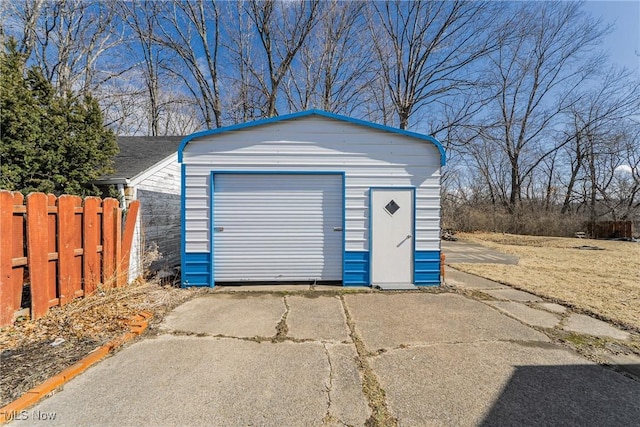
(219, 229)
(337, 228)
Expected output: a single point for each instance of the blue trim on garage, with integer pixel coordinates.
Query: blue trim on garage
(356, 268)
(344, 229)
(276, 172)
(212, 230)
(240, 126)
(197, 269)
(427, 268)
(183, 245)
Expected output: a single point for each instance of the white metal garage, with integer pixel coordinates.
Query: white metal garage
(311, 196)
(277, 227)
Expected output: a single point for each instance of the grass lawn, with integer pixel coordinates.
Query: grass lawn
(27, 356)
(605, 282)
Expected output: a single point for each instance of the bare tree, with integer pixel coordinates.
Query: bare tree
(178, 114)
(126, 106)
(67, 39)
(122, 101)
(595, 125)
(423, 48)
(379, 106)
(334, 64)
(141, 18)
(540, 64)
(243, 91)
(282, 29)
(27, 14)
(627, 176)
(191, 30)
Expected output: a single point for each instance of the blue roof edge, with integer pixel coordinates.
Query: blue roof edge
(306, 113)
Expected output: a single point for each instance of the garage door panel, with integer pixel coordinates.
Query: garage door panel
(277, 227)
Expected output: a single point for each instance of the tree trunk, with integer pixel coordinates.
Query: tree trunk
(516, 188)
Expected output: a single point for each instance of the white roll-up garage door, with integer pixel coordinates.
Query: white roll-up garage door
(277, 227)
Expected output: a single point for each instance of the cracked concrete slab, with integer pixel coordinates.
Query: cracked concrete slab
(466, 364)
(467, 252)
(262, 288)
(469, 281)
(201, 381)
(629, 363)
(502, 383)
(552, 307)
(347, 403)
(528, 315)
(319, 318)
(228, 315)
(513, 295)
(388, 321)
(588, 325)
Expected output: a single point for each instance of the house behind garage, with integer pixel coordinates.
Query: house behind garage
(147, 170)
(310, 197)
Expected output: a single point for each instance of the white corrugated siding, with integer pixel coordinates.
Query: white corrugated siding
(159, 195)
(277, 227)
(161, 226)
(369, 158)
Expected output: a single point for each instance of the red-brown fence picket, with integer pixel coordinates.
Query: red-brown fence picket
(62, 248)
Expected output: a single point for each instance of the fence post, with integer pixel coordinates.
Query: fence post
(127, 237)
(52, 252)
(65, 249)
(18, 248)
(117, 256)
(69, 271)
(109, 207)
(7, 288)
(37, 249)
(91, 234)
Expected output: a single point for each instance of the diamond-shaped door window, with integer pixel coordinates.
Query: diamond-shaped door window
(392, 207)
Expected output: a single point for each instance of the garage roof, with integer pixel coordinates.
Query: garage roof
(420, 136)
(139, 153)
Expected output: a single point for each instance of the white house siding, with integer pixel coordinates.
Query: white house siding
(158, 191)
(135, 259)
(368, 157)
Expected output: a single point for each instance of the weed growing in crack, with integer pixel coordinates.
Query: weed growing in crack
(371, 388)
(328, 416)
(281, 328)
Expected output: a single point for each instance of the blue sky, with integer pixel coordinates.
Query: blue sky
(623, 44)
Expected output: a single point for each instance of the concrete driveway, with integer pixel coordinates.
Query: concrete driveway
(461, 251)
(334, 359)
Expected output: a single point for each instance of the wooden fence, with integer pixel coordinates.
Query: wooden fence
(610, 229)
(62, 248)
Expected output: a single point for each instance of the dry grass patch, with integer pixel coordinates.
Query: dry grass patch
(27, 356)
(98, 317)
(605, 282)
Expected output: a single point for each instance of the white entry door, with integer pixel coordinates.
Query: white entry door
(392, 237)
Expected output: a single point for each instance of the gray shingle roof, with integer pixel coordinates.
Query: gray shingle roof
(139, 153)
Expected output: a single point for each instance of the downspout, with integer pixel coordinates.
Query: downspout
(121, 196)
